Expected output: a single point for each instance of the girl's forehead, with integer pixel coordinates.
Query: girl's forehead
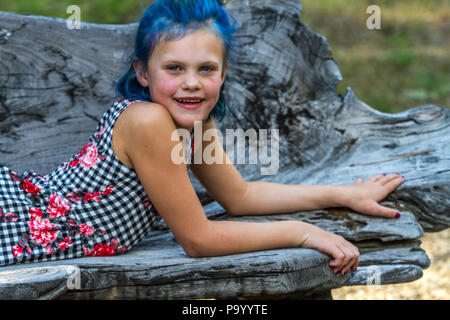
(198, 43)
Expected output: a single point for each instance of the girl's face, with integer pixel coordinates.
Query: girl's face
(185, 76)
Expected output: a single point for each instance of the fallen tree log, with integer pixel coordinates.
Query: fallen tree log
(55, 83)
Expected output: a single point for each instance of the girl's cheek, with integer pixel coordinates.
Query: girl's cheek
(213, 86)
(166, 86)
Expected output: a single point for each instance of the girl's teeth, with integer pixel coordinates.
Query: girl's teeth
(189, 101)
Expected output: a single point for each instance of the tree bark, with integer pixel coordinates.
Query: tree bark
(55, 83)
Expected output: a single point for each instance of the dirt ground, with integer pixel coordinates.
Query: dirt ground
(434, 284)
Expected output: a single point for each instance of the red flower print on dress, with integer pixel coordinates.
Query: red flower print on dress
(114, 242)
(8, 217)
(17, 251)
(122, 249)
(90, 157)
(86, 251)
(89, 196)
(101, 132)
(107, 190)
(30, 187)
(43, 231)
(102, 250)
(146, 202)
(86, 230)
(36, 213)
(96, 195)
(84, 149)
(72, 223)
(58, 206)
(49, 249)
(15, 176)
(65, 243)
(74, 163)
(74, 196)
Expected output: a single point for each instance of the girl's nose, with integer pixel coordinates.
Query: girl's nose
(191, 82)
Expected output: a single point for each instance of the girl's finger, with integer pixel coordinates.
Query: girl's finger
(338, 256)
(356, 260)
(386, 179)
(341, 256)
(350, 259)
(382, 211)
(375, 178)
(359, 180)
(355, 266)
(394, 183)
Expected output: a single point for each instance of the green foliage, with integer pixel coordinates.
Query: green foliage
(403, 65)
(401, 59)
(96, 11)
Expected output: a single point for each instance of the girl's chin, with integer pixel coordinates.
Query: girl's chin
(188, 123)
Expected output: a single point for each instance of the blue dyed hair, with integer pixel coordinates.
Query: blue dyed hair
(173, 19)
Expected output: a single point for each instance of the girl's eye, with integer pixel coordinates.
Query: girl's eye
(206, 68)
(173, 68)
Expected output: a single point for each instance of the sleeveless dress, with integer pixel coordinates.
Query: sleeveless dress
(91, 205)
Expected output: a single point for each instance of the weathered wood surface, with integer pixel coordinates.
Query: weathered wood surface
(159, 269)
(55, 83)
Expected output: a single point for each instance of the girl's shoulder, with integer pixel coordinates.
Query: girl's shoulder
(140, 124)
(143, 118)
(141, 112)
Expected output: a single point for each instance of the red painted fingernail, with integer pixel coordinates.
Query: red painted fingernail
(397, 214)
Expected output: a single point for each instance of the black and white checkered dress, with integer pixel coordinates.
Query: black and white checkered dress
(91, 205)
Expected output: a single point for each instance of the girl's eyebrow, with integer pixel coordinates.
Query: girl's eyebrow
(172, 61)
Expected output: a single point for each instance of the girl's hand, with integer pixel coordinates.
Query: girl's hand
(345, 254)
(363, 196)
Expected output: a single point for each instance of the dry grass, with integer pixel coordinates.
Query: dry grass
(434, 285)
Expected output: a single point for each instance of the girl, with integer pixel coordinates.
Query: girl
(106, 198)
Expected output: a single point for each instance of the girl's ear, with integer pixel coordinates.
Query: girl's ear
(141, 74)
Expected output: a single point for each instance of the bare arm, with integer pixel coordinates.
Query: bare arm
(149, 146)
(148, 142)
(270, 198)
(237, 196)
(240, 197)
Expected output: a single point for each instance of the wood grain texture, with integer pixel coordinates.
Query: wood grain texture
(159, 269)
(55, 83)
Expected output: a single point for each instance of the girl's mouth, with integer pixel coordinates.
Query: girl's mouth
(189, 103)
